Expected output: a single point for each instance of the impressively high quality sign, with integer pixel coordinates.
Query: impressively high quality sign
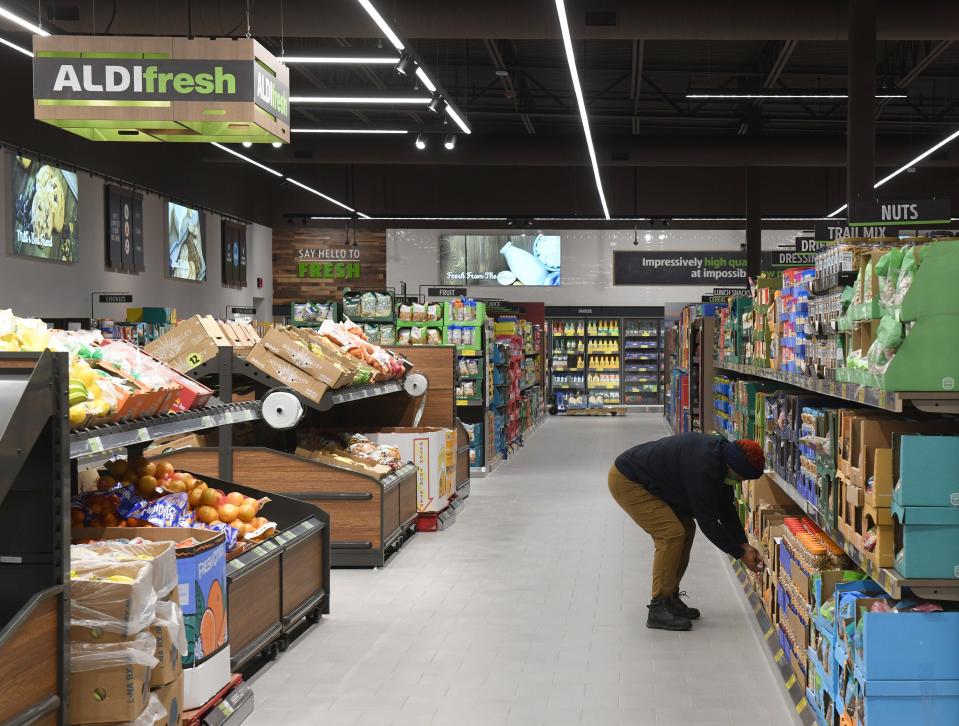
(678, 268)
(900, 214)
(114, 88)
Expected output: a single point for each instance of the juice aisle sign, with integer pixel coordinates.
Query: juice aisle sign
(169, 89)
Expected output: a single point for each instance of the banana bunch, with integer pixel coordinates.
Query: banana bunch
(85, 395)
(22, 334)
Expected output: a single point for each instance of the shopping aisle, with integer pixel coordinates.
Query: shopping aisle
(529, 610)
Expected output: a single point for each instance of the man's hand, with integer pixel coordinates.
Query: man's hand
(751, 558)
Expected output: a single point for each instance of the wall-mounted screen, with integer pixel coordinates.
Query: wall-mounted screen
(186, 243)
(233, 241)
(46, 200)
(518, 259)
(124, 229)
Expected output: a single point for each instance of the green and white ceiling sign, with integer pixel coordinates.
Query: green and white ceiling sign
(161, 89)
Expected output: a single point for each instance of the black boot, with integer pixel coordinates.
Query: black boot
(662, 617)
(682, 609)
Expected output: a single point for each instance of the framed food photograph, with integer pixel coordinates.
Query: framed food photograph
(186, 243)
(46, 202)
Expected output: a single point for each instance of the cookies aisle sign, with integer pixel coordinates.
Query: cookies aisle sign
(124, 229)
(46, 200)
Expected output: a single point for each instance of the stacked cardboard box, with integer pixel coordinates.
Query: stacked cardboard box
(127, 634)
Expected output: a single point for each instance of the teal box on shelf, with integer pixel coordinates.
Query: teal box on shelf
(896, 703)
(928, 472)
(910, 646)
(927, 541)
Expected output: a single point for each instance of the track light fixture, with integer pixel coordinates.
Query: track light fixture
(434, 104)
(247, 144)
(450, 142)
(420, 142)
(403, 67)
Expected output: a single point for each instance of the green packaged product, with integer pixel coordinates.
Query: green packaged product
(911, 259)
(887, 270)
(889, 337)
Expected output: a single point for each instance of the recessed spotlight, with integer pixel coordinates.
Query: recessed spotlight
(403, 67)
(662, 237)
(450, 142)
(420, 142)
(247, 144)
(648, 237)
(277, 144)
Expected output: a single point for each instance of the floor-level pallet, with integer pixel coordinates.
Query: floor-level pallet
(606, 411)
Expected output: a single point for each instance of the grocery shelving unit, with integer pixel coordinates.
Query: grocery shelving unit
(34, 512)
(643, 361)
(567, 354)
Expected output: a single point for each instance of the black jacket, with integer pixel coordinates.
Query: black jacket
(688, 473)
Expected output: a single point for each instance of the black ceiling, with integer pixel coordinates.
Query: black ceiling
(635, 69)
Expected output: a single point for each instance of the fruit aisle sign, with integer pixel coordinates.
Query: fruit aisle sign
(115, 88)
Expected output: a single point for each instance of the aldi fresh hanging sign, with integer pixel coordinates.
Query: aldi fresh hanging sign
(168, 89)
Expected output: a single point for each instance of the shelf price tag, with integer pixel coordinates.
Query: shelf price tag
(208, 422)
(95, 445)
(143, 435)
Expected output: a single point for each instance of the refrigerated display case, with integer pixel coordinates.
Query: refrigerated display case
(642, 361)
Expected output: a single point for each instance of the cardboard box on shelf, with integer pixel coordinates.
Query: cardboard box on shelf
(288, 346)
(192, 342)
(286, 373)
(927, 471)
(431, 450)
(170, 696)
(849, 517)
(349, 364)
(168, 444)
(878, 521)
(241, 336)
(123, 607)
(110, 682)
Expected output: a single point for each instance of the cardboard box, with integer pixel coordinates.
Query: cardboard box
(928, 471)
(849, 517)
(927, 541)
(170, 697)
(174, 443)
(286, 373)
(322, 367)
(880, 518)
(349, 364)
(204, 681)
(124, 608)
(431, 450)
(192, 342)
(117, 691)
(160, 555)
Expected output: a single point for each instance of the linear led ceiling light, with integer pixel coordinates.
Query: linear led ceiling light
(785, 93)
(16, 47)
(451, 112)
(382, 24)
(25, 24)
(247, 159)
(274, 172)
(574, 74)
(908, 165)
(357, 99)
(425, 79)
(301, 185)
(349, 131)
(389, 59)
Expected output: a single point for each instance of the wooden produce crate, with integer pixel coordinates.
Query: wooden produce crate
(369, 517)
(276, 584)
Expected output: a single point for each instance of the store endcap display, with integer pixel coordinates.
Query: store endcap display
(46, 201)
(523, 259)
(186, 243)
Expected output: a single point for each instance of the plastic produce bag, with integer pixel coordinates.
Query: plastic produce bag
(115, 596)
(154, 713)
(169, 616)
(161, 555)
(98, 656)
(911, 259)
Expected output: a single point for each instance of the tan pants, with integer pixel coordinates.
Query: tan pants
(672, 535)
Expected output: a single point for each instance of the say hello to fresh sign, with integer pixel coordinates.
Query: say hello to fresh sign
(90, 78)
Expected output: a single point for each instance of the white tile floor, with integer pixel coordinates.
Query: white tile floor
(530, 609)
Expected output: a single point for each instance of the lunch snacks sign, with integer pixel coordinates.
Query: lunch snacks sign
(161, 89)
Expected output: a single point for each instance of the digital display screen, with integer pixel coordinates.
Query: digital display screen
(46, 201)
(186, 243)
(519, 259)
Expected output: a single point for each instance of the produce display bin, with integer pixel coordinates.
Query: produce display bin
(368, 518)
(275, 585)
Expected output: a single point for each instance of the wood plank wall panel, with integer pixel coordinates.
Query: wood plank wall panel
(28, 661)
(288, 241)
